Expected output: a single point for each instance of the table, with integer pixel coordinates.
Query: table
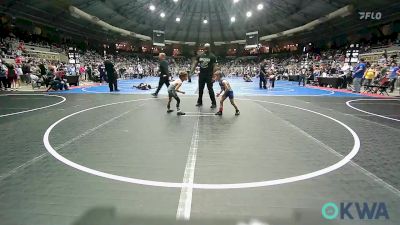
(72, 80)
(335, 82)
(294, 77)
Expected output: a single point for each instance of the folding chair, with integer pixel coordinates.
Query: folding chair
(383, 88)
(36, 81)
(380, 87)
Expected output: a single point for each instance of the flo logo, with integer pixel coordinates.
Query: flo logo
(355, 210)
(370, 15)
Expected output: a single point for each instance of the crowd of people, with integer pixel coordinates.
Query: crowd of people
(17, 68)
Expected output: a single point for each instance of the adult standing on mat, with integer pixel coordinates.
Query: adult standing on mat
(303, 76)
(111, 75)
(263, 75)
(164, 74)
(206, 62)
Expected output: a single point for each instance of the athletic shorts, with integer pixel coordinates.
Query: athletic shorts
(228, 94)
(172, 93)
(15, 78)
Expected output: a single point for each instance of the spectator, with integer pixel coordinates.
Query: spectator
(394, 73)
(3, 77)
(369, 75)
(26, 70)
(111, 75)
(12, 77)
(358, 75)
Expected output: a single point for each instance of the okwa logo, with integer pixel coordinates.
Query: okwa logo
(355, 210)
(370, 15)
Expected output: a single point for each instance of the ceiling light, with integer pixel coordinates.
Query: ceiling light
(235, 1)
(162, 15)
(175, 0)
(260, 6)
(233, 19)
(249, 13)
(205, 21)
(178, 19)
(152, 7)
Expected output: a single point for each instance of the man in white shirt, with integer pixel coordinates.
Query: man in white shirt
(140, 71)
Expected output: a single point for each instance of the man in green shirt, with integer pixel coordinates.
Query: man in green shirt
(164, 73)
(384, 70)
(207, 63)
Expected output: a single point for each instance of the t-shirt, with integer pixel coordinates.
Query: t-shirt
(163, 68)
(384, 71)
(43, 69)
(359, 70)
(18, 60)
(26, 68)
(370, 74)
(393, 72)
(19, 71)
(11, 73)
(140, 69)
(109, 67)
(206, 63)
(263, 69)
(101, 69)
(3, 71)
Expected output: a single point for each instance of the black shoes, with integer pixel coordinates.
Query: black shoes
(154, 95)
(180, 113)
(219, 113)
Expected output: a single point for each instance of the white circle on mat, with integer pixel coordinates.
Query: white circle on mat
(370, 113)
(35, 109)
(339, 164)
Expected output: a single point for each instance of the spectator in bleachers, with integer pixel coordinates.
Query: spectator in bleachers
(20, 74)
(393, 75)
(12, 77)
(82, 71)
(370, 75)
(57, 84)
(111, 75)
(102, 72)
(3, 77)
(26, 70)
(43, 69)
(358, 75)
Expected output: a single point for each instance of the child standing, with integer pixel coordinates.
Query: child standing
(172, 93)
(228, 92)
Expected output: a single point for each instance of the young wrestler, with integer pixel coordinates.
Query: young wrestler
(228, 92)
(172, 93)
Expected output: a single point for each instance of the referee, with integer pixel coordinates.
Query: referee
(111, 75)
(263, 74)
(206, 62)
(164, 74)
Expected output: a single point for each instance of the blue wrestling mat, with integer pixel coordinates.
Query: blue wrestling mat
(240, 88)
